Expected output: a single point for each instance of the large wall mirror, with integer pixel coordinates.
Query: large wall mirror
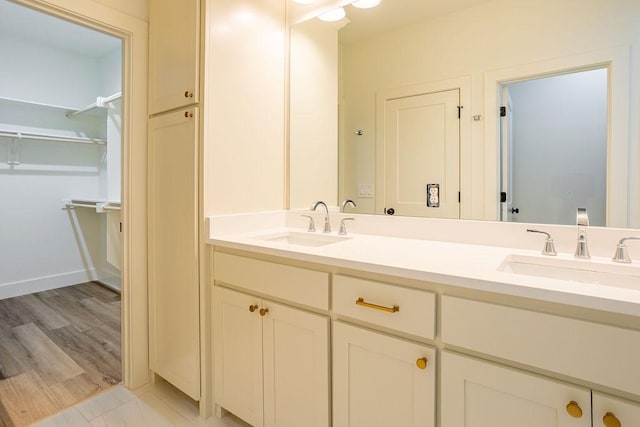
(398, 107)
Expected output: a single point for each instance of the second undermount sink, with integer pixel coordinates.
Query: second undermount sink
(302, 238)
(583, 271)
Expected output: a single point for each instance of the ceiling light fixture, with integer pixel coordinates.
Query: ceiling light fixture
(366, 4)
(333, 15)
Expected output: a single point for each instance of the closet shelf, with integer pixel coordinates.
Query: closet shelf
(101, 206)
(100, 101)
(37, 104)
(48, 137)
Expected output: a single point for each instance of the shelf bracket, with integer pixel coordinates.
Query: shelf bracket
(14, 151)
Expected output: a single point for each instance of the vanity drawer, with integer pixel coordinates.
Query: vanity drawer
(299, 285)
(593, 352)
(374, 302)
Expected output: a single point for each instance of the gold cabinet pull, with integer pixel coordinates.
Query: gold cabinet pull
(422, 363)
(363, 303)
(188, 94)
(574, 409)
(264, 311)
(188, 114)
(253, 308)
(610, 420)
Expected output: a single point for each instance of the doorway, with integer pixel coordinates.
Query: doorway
(60, 166)
(553, 148)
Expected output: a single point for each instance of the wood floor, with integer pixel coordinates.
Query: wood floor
(57, 348)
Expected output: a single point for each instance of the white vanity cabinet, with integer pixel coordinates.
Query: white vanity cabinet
(609, 411)
(480, 394)
(380, 379)
(271, 360)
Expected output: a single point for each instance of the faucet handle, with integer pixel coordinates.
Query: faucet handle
(622, 252)
(343, 227)
(312, 225)
(549, 247)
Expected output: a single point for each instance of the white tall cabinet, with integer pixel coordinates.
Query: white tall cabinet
(173, 188)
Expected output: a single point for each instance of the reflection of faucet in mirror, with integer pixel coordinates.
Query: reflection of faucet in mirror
(622, 253)
(327, 225)
(582, 221)
(347, 202)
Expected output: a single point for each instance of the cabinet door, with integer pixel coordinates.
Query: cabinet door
(376, 380)
(608, 411)
(174, 50)
(237, 337)
(481, 394)
(296, 367)
(173, 251)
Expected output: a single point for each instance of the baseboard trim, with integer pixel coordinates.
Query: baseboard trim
(24, 287)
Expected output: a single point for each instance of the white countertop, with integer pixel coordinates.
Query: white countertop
(462, 265)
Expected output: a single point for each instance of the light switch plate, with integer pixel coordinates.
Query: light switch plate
(365, 190)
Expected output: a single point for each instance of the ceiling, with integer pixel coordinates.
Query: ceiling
(391, 14)
(28, 24)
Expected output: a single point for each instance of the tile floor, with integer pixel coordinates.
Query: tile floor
(157, 405)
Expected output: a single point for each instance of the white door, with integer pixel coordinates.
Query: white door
(608, 410)
(174, 289)
(421, 148)
(296, 367)
(237, 334)
(481, 394)
(377, 381)
(506, 156)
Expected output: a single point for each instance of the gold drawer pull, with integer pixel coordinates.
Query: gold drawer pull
(611, 420)
(421, 363)
(253, 308)
(574, 409)
(264, 311)
(361, 301)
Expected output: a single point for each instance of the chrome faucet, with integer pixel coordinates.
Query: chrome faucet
(549, 248)
(347, 202)
(582, 221)
(622, 253)
(327, 225)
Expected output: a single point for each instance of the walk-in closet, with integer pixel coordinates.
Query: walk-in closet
(60, 224)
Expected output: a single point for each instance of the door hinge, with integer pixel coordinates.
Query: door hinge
(503, 111)
(121, 227)
(503, 197)
(460, 107)
(458, 197)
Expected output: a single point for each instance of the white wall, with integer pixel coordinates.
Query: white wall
(494, 35)
(244, 117)
(44, 246)
(313, 121)
(560, 148)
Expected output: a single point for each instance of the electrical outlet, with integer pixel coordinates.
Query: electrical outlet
(433, 195)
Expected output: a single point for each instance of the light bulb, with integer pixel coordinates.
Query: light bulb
(303, 1)
(365, 4)
(333, 15)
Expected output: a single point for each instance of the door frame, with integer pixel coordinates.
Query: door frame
(463, 84)
(617, 62)
(134, 34)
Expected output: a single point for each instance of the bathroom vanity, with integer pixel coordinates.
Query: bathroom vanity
(318, 329)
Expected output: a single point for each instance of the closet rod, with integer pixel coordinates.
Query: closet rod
(100, 101)
(45, 137)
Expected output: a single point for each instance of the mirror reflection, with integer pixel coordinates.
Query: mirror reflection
(375, 100)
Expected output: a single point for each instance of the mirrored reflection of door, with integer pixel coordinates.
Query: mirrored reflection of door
(506, 157)
(422, 146)
(554, 148)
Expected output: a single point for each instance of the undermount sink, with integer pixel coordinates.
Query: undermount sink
(302, 238)
(582, 271)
